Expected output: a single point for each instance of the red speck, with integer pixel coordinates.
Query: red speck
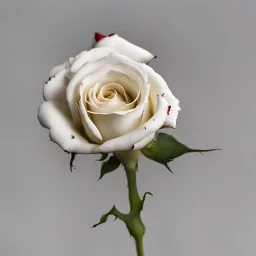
(132, 147)
(72, 137)
(72, 160)
(169, 109)
(111, 34)
(152, 59)
(163, 94)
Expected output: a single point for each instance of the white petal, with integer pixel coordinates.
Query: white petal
(57, 68)
(55, 116)
(101, 67)
(132, 70)
(129, 140)
(89, 56)
(159, 86)
(131, 86)
(141, 144)
(120, 45)
(55, 87)
(91, 130)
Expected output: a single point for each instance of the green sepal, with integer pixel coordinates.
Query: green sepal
(165, 148)
(103, 157)
(109, 166)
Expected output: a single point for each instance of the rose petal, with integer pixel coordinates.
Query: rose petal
(89, 56)
(159, 86)
(120, 45)
(141, 144)
(56, 117)
(55, 87)
(94, 70)
(91, 130)
(129, 140)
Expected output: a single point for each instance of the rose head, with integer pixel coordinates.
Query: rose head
(106, 99)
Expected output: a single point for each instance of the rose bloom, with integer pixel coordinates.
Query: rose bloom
(107, 99)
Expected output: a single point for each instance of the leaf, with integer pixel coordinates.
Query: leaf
(103, 157)
(109, 166)
(166, 148)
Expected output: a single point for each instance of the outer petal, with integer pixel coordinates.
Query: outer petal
(89, 56)
(159, 86)
(133, 140)
(55, 116)
(55, 87)
(120, 45)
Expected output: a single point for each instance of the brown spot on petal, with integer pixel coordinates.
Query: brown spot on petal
(72, 160)
(145, 128)
(72, 137)
(168, 110)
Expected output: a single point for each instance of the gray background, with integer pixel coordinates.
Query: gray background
(206, 52)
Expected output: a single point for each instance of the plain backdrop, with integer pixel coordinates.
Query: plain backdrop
(207, 53)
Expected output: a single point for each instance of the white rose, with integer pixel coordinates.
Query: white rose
(106, 99)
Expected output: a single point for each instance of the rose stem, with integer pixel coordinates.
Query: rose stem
(133, 221)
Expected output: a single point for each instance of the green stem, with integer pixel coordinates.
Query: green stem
(133, 219)
(134, 197)
(139, 246)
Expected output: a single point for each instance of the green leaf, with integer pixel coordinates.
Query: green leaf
(109, 166)
(166, 148)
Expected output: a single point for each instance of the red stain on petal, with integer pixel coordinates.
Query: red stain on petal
(151, 60)
(168, 110)
(132, 147)
(163, 94)
(98, 37)
(72, 160)
(72, 137)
